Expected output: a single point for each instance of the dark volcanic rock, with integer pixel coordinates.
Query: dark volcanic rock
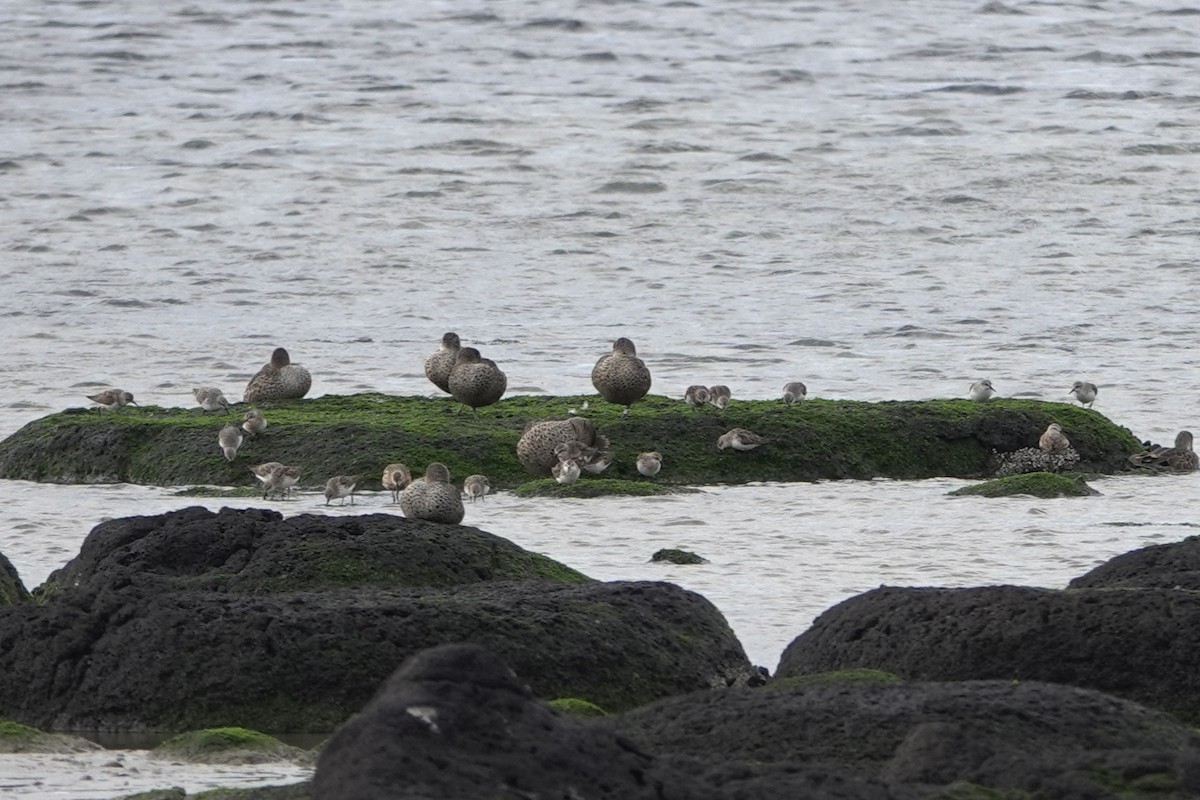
(11, 588)
(1032, 737)
(159, 626)
(1164, 566)
(1138, 644)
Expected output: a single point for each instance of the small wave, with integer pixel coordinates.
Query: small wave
(631, 187)
(1101, 57)
(1180, 149)
(557, 23)
(979, 88)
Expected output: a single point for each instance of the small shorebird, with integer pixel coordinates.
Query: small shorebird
(696, 396)
(210, 398)
(598, 456)
(439, 363)
(794, 392)
(253, 422)
(476, 381)
(719, 396)
(279, 380)
(982, 390)
(1053, 440)
(565, 471)
(433, 498)
(396, 477)
(340, 487)
(276, 477)
(620, 376)
(1180, 458)
(230, 439)
(112, 399)
(476, 486)
(1085, 393)
(740, 439)
(649, 464)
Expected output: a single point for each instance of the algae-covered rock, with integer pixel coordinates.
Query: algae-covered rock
(228, 746)
(673, 555)
(197, 619)
(360, 434)
(1038, 484)
(11, 588)
(17, 738)
(1175, 565)
(595, 487)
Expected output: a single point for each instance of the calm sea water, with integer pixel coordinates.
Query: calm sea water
(884, 201)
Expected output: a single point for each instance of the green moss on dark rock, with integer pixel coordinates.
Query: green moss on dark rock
(676, 556)
(12, 590)
(1038, 484)
(18, 738)
(223, 745)
(577, 708)
(360, 434)
(594, 487)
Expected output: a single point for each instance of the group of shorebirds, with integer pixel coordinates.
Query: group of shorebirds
(564, 449)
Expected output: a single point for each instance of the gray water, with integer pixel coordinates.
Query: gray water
(885, 201)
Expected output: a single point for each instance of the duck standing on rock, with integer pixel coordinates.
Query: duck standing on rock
(1180, 458)
(621, 377)
(433, 498)
(279, 380)
(538, 447)
(440, 362)
(476, 381)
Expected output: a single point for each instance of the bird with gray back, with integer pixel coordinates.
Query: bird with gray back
(396, 477)
(476, 487)
(1085, 393)
(1180, 458)
(112, 399)
(433, 498)
(794, 392)
(278, 380)
(253, 422)
(649, 464)
(982, 390)
(696, 396)
(440, 362)
(230, 439)
(719, 396)
(210, 398)
(476, 381)
(565, 472)
(1053, 440)
(740, 439)
(340, 487)
(620, 376)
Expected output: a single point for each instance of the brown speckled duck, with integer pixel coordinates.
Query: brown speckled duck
(1180, 458)
(279, 380)
(476, 381)
(621, 377)
(433, 498)
(536, 449)
(440, 362)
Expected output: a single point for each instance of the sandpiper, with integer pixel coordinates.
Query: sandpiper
(476, 486)
(794, 392)
(276, 477)
(396, 477)
(476, 381)
(433, 498)
(982, 390)
(598, 456)
(253, 422)
(1085, 393)
(112, 399)
(740, 439)
(439, 363)
(340, 487)
(1053, 440)
(230, 439)
(279, 380)
(565, 471)
(620, 376)
(696, 396)
(210, 398)
(649, 464)
(720, 396)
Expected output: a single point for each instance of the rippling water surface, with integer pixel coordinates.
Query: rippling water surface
(884, 201)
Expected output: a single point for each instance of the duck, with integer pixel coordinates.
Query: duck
(278, 380)
(440, 362)
(433, 498)
(538, 442)
(1180, 458)
(620, 376)
(476, 381)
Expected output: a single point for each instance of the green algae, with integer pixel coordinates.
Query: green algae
(360, 434)
(15, 731)
(217, 743)
(576, 707)
(1039, 484)
(673, 555)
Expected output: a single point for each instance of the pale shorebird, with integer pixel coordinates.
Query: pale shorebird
(794, 392)
(340, 487)
(476, 486)
(696, 396)
(1053, 440)
(279, 380)
(1085, 393)
(210, 398)
(253, 422)
(720, 396)
(620, 376)
(649, 464)
(276, 477)
(598, 456)
(439, 363)
(565, 472)
(476, 381)
(433, 498)
(112, 399)
(1180, 458)
(740, 439)
(396, 477)
(230, 439)
(982, 390)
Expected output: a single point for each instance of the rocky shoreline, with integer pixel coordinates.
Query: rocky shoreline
(448, 659)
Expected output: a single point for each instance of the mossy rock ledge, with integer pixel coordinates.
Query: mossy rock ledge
(228, 746)
(241, 617)
(1038, 484)
(360, 434)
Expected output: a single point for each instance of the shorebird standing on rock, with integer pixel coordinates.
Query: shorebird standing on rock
(794, 392)
(210, 398)
(740, 439)
(982, 390)
(112, 399)
(649, 464)
(476, 486)
(396, 478)
(340, 486)
(230, 439)
(719, 396)
(1085, 393)
(1053, 440)
(696, 396)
